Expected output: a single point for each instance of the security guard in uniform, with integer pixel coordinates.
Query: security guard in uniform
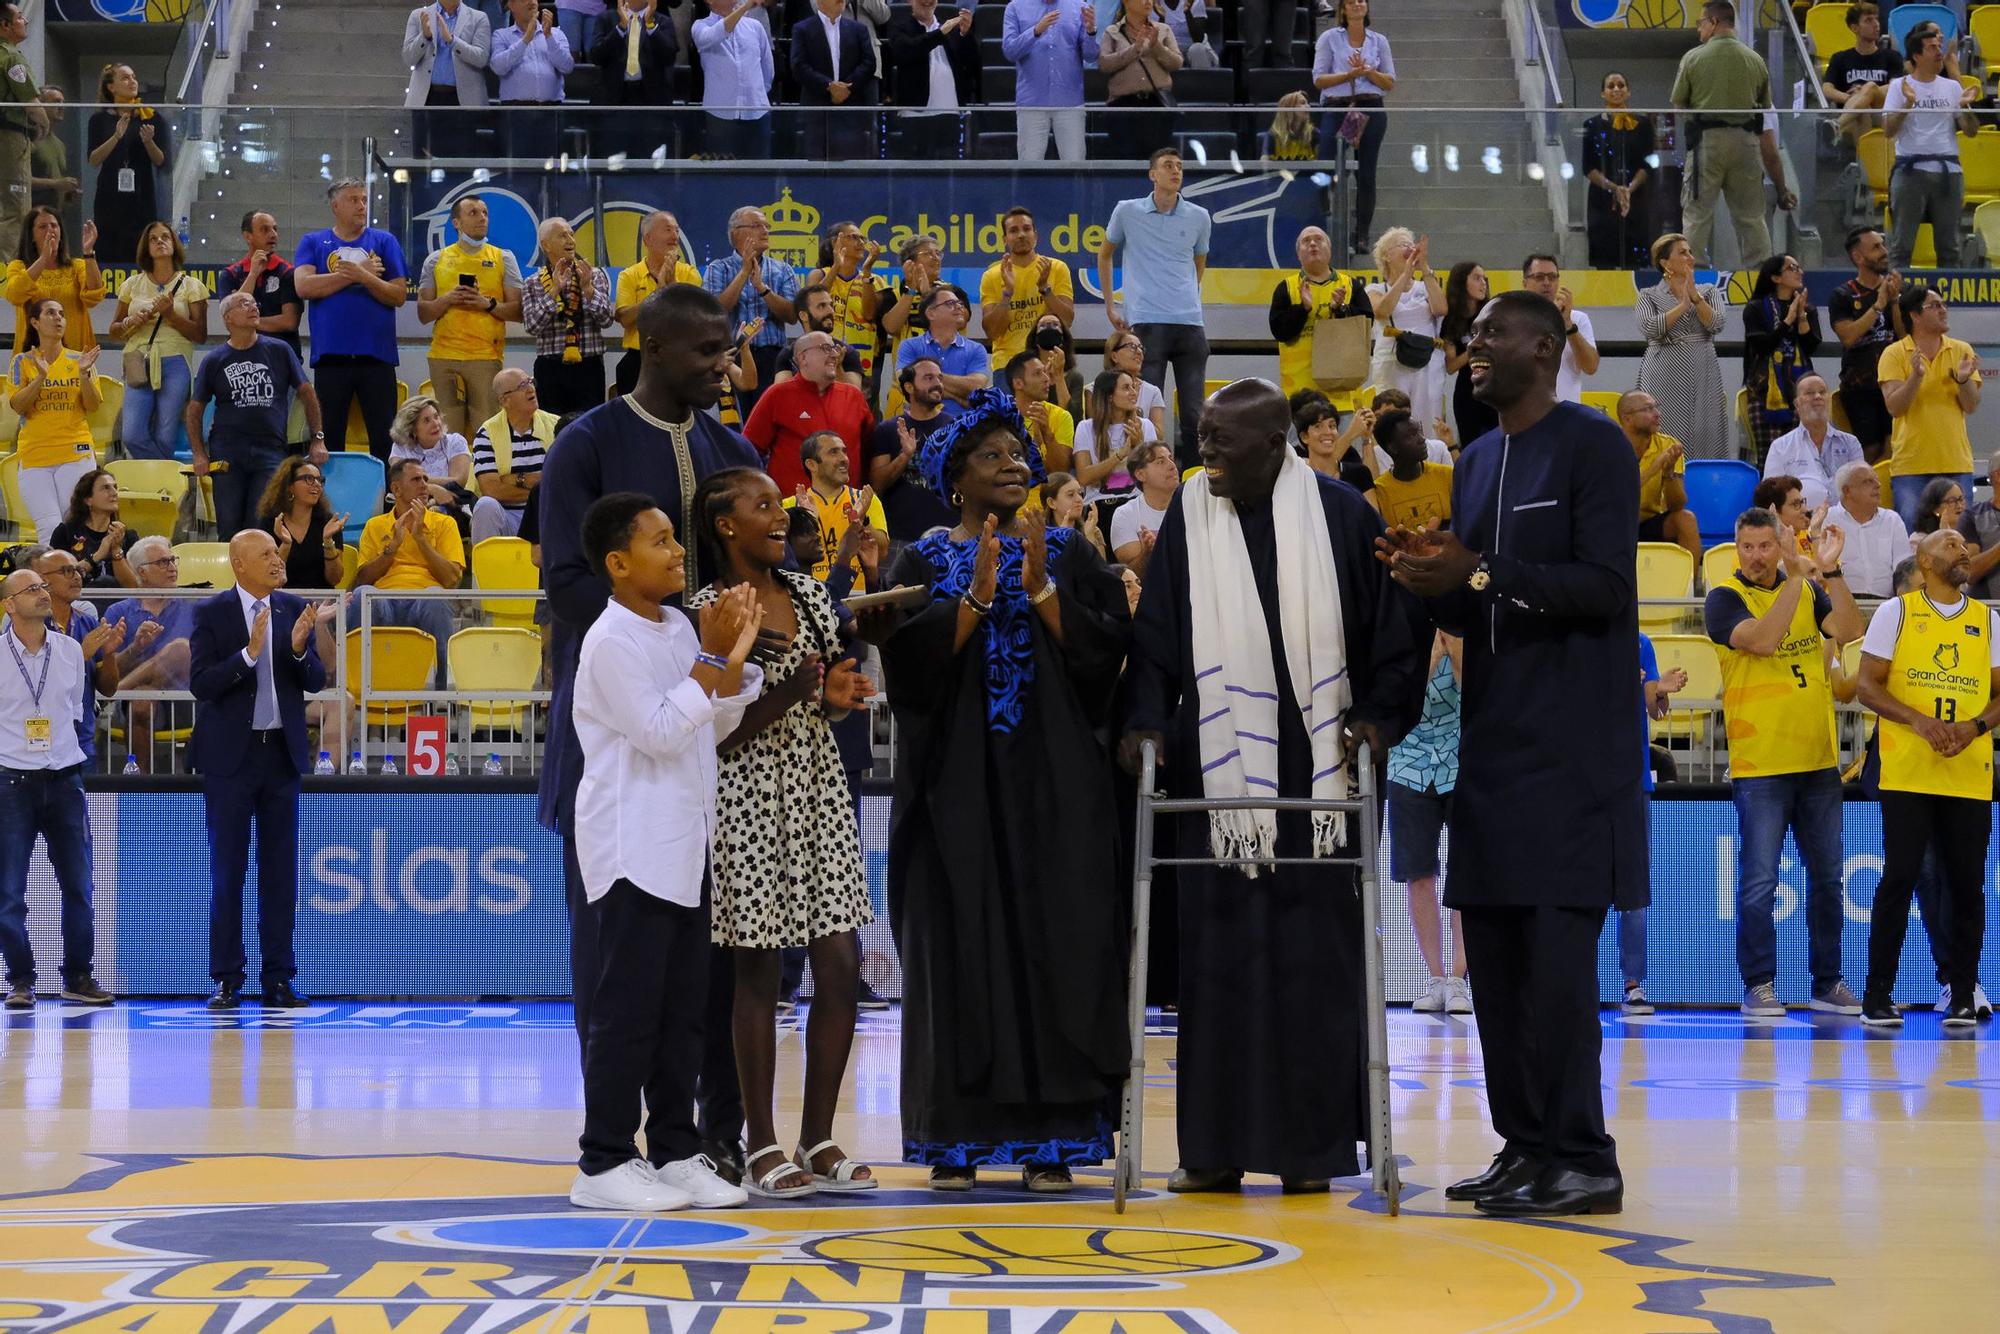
(1930, 665)
(1725, 85)
(22, 121)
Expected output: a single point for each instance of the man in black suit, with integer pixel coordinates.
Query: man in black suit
(1536, 573)
(834, 64)
(636, 73)
(252, 664)
(940, 88)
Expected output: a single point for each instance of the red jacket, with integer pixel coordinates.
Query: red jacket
(787, 413)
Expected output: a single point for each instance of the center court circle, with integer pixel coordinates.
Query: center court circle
(583, 1232)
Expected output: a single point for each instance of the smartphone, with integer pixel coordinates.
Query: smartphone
(467, 280)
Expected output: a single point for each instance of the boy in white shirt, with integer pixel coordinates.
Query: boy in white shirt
(652, 698)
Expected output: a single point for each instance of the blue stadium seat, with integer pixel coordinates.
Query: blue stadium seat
(1718, 490)
(1905, 17)
(355, 484)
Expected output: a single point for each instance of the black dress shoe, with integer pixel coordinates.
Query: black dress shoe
(228, 995)
(1557, 1192)
(728, 1160)
(283, 996)
(1304, 1185)
(1204, 1180)
(1508, 1170)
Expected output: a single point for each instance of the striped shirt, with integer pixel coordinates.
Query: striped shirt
(529, 455)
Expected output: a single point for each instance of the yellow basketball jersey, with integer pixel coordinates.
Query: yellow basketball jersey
(1779, 709)
(1942, 669)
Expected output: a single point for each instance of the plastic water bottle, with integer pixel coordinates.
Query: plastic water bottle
(451, 769)
(492, 768)
(323, 767)
(389, 769)
(357, 765)
(131, 765)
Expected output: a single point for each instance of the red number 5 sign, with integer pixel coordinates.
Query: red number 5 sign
(425, 737)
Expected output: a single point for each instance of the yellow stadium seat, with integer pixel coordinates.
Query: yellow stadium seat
(205, 563)
(401, 659)
(1604, 400)
(1923, 255)
(424, 390)
(1979, 155)
(357, 430)
(149, 494)
(1972, 81)
(110, 403)
(1986, 225)
(350, 561)
(10, 491)
(506, 563)
(1826, 24)
(1885, 476)
(1743, 416)
(10, 420)
(1666, 570)
(496, 658)
(1984, 25)
(1695, 655)
(1872, 152)
(1717, 564)
(1837, 410)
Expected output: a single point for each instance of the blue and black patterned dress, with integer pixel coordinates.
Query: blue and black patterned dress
(1004, 882)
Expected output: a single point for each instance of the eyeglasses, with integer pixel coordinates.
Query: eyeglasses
(29, 588)
(310, 478)
(163, 560)
(525, 384)
(67, 571)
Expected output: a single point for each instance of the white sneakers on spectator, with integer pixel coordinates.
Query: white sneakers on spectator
(1432, 1001)
(696, 1178)
(1635, 1000)
(1458, 996)
(1761, 1002)
(631, 1187)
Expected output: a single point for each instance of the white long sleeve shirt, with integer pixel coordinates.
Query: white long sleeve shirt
(645, 808)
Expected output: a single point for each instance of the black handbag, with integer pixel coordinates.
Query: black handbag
(1413, 350)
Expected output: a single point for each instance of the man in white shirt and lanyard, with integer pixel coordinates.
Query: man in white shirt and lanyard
(1541, 273)
(41, 789)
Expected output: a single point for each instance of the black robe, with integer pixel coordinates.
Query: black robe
(1004, 888)
(1272, 1048)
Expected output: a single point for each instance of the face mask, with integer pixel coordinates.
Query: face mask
(1047, 339)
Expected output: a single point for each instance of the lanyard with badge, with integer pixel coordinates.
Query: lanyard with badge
(37, 727)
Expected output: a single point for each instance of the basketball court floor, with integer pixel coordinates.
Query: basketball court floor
(403, 1169)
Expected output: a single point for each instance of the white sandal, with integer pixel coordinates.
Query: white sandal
(762, 1187)
(841, 1179)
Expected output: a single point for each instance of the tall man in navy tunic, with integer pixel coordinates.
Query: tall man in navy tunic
(252, 662)
(1268, 645)
(658, 441)
(1538, 573)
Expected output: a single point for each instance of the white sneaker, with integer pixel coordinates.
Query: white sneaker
(1457, 996)
(1944, 997)
(1981, 1007)
(1635, 1000)
(696, 1179)
(629, 1188)
(1433, 1000)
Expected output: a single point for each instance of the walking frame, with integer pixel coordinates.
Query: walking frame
(1365, 857)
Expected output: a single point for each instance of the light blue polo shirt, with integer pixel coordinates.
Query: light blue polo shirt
(1158, 254)
(963, 357)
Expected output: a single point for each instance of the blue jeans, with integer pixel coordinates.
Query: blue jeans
(1632, 945)
(49, 803)
(1906, 492)
(579, 28)
(241, 485)
(1185, 348)
(431, 615)
(150, 421)
(1809, 805)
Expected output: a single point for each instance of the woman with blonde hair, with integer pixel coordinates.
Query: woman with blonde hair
(1679, 318)
(1409, 304)
(419, 433)
(1292, 131)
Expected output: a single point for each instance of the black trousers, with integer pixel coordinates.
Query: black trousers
(626, 377)
(645, 1029)
(569, 386)
(1267, 25)
(929, 138)
(582, 948)
(1185, 348)
(1958, 828)
(719, 1094)
(340, 381)
(265, 791)
(1534, 991)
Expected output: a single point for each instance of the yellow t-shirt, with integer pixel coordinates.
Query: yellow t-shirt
(1295, 359)
(1062, 427)
(65, 285)
(635, 284)
(1652, 490)
(1415, 503)
(1028, 305)
(1930, 436)
(188, 290)
(469, 335)
(1942, 668)
(407, 568)
(832, 516)
(1779, 708)
(56, 430)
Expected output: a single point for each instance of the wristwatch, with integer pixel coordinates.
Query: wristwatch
(1481, 576)
(1834, 573)
(1981, 726)
(1570, 332)
(492, 304)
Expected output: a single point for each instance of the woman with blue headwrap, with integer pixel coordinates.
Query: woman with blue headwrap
(1003, 865)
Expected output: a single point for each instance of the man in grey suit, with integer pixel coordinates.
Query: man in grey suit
(446, 44)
